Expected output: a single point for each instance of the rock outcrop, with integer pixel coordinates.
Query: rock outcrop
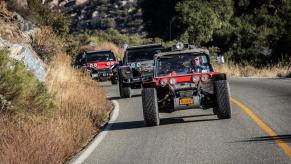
(122, 15)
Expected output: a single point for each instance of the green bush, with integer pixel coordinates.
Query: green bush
(19, 86)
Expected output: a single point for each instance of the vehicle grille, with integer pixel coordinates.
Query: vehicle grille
(135, 73)
(188, 93)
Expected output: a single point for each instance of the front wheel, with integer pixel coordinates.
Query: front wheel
(150, 107)
(222, 99)
(114, 81)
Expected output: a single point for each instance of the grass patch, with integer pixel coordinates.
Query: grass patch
(235, 70)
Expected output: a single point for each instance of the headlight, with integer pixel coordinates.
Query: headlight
(172, 81)
(195, 79)
(138, 64)
(163, 82)
(205, 78)
(132, 64)
(108, 63)
(179, 46)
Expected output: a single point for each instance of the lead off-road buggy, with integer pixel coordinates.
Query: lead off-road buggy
(178, 84)
(102, 65)
(137, 66)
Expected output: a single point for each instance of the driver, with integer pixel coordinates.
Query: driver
(166, 69)
(196, 65)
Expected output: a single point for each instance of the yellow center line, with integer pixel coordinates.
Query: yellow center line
(283, 145)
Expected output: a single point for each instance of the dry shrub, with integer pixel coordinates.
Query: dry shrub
(9, 29)
(81, 108)
(233, 70)
(47, 44)
(75, 91)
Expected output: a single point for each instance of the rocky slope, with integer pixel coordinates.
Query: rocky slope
(123, 15)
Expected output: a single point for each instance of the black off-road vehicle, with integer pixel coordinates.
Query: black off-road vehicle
(185, 79)
(137, 67)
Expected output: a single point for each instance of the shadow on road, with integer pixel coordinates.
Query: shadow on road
(163, 121)
(285, 138)
(119, 98)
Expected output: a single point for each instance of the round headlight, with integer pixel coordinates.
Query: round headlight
(179, 45)
(172, 81)
(163, 82)
(138, 64)
(195, 79)
(132, 64)
(204, 78)
(108, 63)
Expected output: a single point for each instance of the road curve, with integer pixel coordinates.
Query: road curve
(197, 136)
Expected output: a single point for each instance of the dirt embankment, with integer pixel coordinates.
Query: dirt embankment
(48, 121)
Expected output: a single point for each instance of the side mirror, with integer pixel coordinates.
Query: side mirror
(220, 59)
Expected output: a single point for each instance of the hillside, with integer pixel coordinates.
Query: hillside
(124, 16)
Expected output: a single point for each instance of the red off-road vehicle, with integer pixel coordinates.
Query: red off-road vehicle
(101, 64)
(185, 79)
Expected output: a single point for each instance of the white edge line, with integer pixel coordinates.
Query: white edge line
(97, 140)
(255, 77)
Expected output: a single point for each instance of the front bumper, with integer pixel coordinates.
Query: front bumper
(105, 74)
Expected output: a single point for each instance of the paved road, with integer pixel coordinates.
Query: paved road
(197, 136)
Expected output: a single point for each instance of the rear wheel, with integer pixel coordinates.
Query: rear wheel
(222, 99)
(150, 107)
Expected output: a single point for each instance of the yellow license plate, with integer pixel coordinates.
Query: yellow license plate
(186, 101)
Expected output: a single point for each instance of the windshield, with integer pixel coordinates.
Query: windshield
(100, 56)
(182, 64)
(141, 54)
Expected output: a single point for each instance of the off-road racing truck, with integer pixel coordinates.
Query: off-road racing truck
(137, 66)
(101, 64)
(178, 84)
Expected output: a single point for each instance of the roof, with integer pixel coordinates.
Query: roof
(144, 46)
(195, 51)
(88, 52)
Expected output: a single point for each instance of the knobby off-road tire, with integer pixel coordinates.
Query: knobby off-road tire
(127, 92)
(150, 107)
(222, 99)
(114, 81)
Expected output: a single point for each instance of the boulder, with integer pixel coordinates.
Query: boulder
(24, 53)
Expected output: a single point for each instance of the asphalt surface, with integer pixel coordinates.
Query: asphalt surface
(197, 136)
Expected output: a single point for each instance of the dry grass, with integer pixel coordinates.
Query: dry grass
(81, 108)
(47, 44)
(9, 29)
(233, 70)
